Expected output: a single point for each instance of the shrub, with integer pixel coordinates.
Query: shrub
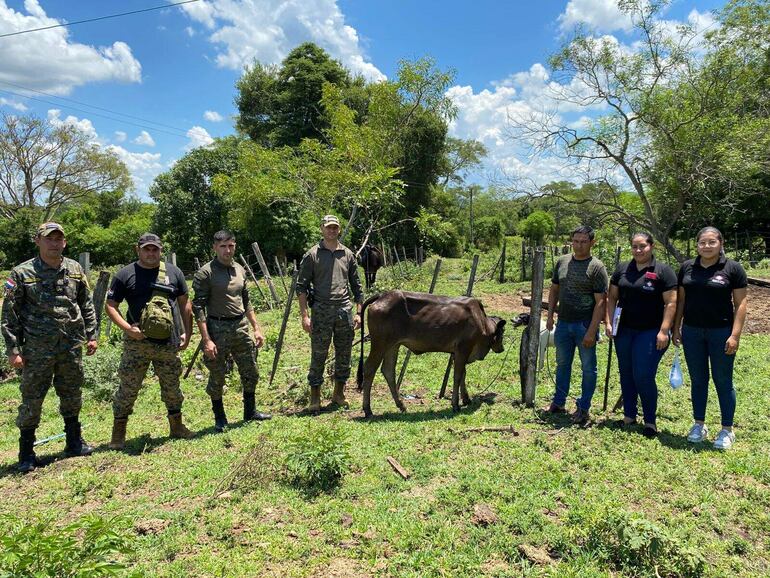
(638, 546)
(83, 549)
(100, 371)
(317, 458)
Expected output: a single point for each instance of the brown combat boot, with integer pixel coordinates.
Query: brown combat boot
(177, 428)
(315, 400)
(118, 440)
(338, 397)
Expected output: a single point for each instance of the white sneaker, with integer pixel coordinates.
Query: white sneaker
(698, 433)
(724, 440)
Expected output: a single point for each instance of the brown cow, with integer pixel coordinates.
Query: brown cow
(423, 322)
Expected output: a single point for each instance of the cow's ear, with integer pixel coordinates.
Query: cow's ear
(500, 326)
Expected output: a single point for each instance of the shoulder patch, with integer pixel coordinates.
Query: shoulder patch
(10, 287)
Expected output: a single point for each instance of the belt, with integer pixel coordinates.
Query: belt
(236, 318)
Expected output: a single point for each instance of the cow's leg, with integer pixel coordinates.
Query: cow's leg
(370, 369)
(459, 379)
(466, 399)
(389, 371)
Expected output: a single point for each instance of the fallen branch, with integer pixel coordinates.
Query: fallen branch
(527, 302)
(494, 428)
(758, 282)
(398, 467)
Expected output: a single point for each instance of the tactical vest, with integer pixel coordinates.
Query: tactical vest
(157, 320)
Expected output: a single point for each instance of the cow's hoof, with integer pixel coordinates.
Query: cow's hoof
(368, 414)
(402, 408)
(456, 408)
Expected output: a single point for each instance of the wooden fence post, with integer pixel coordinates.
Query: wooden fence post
(99, 296)
(408, 352)
(280, 274)
(85, 262)
(254, 278)
(502, 262)
(523, 260)
(284, 321)
(538, 274)
(265, 272)
(468, 293)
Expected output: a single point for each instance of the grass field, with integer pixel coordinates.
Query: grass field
(555, 500)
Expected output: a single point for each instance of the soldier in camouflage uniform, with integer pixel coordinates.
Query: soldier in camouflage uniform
(137, 283)
(328, 268)
(47, 316)
(228, 326)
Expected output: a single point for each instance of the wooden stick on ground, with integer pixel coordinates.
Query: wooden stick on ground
(398, 467)
(494, 428)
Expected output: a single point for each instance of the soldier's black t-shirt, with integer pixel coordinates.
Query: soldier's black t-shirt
(708, 291)
(133, 284)
(641, 293)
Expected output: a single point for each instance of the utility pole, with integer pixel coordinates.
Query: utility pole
(470, 190)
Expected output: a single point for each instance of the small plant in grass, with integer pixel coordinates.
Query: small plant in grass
(84, 549)
(100, 372)
(638, 546)
(318, 457)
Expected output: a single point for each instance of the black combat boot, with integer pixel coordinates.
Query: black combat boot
(249, 411)
(220, 419)
(75, 446)
(27, 458)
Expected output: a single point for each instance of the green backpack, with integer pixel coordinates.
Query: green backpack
(157, 321)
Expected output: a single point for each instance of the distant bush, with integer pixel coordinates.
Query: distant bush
(84, 549)
(638, 546)
(101, 372)
(317, 459)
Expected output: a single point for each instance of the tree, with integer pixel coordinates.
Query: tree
(189, 209)
(460, 156)
(536, 226)
(655, 96)
(280, 106)
(46, 166)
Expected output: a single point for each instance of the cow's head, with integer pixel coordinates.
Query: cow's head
(497, 337)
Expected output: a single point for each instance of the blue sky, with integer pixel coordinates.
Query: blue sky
(174, 70)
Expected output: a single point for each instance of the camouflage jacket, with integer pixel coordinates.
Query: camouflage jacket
(46, 306)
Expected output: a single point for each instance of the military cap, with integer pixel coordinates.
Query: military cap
(47, 228)
(149, 239)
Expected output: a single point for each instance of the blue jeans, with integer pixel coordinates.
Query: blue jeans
(701, 346)
(568, 336)
(638, 360)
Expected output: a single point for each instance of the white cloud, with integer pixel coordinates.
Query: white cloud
(199, 137)
(144, 139)
(14, 104)
(601, 15)
(48, 60)
(83, 125)
(190, 31)
(213, 116)
(144, 167)
(268, 29)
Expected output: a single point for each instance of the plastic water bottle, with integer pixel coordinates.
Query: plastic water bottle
(675, 377)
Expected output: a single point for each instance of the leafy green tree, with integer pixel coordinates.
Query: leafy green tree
(280, 106)
(16, 235)
(437, 235)
(49, 166)
(488, 233)
(536, 226)
(669, 109)
(189, 210)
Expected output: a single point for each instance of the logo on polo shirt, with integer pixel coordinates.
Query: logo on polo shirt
(719, 279)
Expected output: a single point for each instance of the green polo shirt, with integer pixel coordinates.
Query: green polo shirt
(220, 291)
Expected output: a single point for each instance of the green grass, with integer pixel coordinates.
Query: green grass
(198, 511)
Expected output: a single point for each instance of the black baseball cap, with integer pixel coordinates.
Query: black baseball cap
(149, 239)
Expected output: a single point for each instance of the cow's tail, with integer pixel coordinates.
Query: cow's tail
(360, 372)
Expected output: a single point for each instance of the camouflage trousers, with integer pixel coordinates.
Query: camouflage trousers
(41, 366)
(234, 338)
(136, 358)
(330, 322)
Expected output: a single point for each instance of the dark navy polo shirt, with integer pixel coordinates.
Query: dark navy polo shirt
(708, 291)
(641, 293)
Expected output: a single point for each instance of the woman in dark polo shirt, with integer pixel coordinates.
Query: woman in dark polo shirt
(644, 292)
(712, 303)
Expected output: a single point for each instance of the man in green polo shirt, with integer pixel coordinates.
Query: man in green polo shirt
(228, 326)
(329, 267)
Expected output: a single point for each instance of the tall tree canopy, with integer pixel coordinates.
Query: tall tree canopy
(45, 166)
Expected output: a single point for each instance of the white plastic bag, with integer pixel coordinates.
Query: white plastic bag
(675, 377)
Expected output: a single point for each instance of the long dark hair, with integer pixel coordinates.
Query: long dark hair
(710, 229)
(645, 234)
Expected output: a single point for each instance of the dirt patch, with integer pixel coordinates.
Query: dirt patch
(342, 568)
(758, 311)
(151, 526)
(483, 515)
(536, 555)
(505, 303)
